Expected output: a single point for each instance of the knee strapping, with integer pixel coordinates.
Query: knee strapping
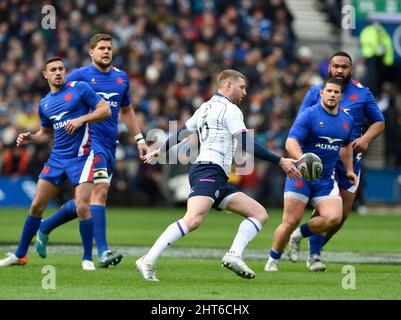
(101, 176)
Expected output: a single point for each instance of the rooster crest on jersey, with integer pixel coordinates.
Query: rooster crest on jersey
(310, 166)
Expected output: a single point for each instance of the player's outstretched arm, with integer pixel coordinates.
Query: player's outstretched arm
(260, 151)
(128, 116)
(44, 135)
(172, 140)
(101, 112)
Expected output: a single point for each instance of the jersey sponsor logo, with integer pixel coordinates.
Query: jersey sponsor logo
(59, 125)
(331, 140)
(57, 117)
(107, 96)
(329, 146)
(324, 146)
(353, 97)
(68, 96)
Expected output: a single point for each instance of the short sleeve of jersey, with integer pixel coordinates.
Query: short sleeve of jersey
(372, 111)
(301, 126)
(235, 121)
(88, 95)
(126, 100)
(311, 98)
(191, 123)
(44, 121)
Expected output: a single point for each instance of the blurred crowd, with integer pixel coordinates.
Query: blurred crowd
(172, 51)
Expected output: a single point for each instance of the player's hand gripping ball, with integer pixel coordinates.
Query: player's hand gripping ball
(310, 166)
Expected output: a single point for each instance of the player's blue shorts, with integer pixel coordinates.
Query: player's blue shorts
(210, 180)
(78, 170)
(341, 176)
(318, 190)
(105, 160)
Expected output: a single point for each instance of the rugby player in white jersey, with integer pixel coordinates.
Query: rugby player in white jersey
(220, 126)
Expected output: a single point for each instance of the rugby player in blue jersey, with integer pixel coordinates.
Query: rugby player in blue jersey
(113, 85)
(326, 130)
(65, 117)
(359, 103)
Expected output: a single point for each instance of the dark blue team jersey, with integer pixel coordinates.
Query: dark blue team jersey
(357, 101)
(72, 101)
(324, 134)
(113, 87)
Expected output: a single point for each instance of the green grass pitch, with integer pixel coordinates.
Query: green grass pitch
(201, 278)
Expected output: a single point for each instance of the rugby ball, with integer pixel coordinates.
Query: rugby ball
(310, 166)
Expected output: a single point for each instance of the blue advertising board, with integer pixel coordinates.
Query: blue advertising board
(17, 192)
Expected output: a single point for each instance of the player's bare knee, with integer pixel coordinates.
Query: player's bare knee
(37, 208)
(262, 216)
(99, 194)
(193, 222)
(334, 221)
(259, 213)
(83, 208)
(290, 223)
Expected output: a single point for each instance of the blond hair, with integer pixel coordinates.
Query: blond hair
(228, 74)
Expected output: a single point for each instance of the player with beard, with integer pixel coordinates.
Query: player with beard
(112, 84)
(358, 102)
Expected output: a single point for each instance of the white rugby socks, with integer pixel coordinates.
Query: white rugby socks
(247, 230)
(172, 233)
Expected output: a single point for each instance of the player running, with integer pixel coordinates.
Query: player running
(323, 130)
(358, 102)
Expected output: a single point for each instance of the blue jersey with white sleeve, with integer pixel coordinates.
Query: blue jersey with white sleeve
(324, 134)
(55, 110)
(113, 87)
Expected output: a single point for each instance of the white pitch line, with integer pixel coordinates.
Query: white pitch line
(213, 253)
